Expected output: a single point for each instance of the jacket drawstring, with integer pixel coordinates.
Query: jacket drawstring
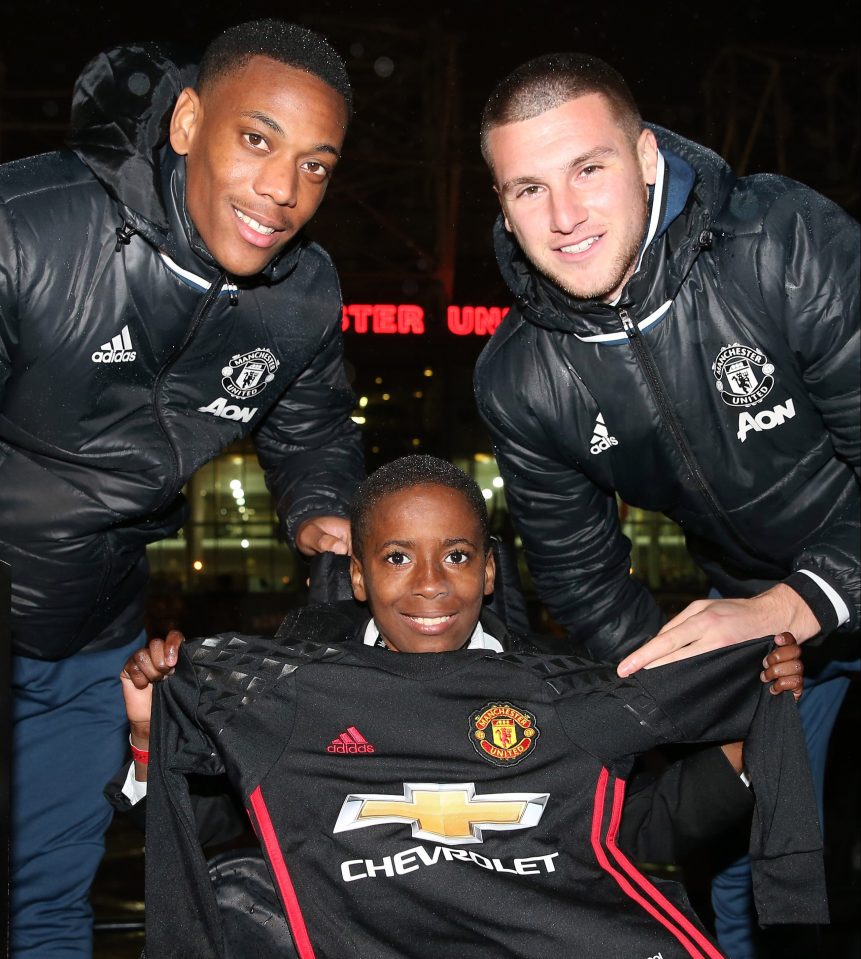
(124, 236)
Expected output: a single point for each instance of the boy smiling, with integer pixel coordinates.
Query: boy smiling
(486, 815)
(423, 564)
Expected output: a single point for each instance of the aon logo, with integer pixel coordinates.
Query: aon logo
(766, 420)
(227, 411)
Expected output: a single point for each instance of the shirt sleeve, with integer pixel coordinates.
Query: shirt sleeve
(176, 872)
(717, 697)
(132, 789)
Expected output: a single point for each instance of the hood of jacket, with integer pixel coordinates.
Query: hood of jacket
(120, 121)
(693, 183)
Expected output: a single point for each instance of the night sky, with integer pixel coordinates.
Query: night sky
(44, 42)
(667, 51)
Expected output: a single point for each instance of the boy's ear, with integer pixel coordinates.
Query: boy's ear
(357, 579)
(489, 573)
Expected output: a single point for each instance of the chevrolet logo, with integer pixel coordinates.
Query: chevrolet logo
(450, 813)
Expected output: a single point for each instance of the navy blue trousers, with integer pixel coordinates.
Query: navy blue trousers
(70, 736)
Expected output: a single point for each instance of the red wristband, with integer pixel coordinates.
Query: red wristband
(139, 755)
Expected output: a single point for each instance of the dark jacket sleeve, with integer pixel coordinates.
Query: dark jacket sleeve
(715, 697)
(578, 556)
(309, 448)
(671, 814)
(807, 264)
(9, 269)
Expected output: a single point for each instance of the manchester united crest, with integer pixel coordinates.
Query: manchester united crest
(502, 733)
(249, 373)
(744, 375)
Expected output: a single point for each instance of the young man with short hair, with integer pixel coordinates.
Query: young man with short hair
(684, 339)
(158, 301)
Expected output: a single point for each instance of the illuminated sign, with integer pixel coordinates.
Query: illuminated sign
(409, 319)
(480, 320)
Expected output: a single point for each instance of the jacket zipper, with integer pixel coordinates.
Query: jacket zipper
(203, 308)
(653, 376)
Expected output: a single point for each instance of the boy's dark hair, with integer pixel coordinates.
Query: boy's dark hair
(288, 43)
(404, 473)
(549, 81)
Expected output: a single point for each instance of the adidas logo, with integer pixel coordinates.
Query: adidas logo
(351, 741)
(601, 439)
(119, 350)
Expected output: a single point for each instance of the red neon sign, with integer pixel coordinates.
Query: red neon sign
(409, 319)
(383, 318)
(480, 320)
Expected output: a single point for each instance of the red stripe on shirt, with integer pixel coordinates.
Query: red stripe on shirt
(624, 885)
(643, 881)
(266, 831)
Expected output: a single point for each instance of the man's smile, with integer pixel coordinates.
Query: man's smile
(580, 247)
(265, 234)
(254, 224)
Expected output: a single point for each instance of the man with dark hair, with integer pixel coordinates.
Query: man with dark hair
(286, 43)
(688, 341)
(158, 301)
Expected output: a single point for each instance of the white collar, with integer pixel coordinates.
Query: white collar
(479, 639)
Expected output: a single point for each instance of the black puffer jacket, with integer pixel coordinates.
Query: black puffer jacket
(722, 390)
(128, 359)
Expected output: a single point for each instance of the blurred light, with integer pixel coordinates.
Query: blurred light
(497, 482)
(418, 395)
(236, 460)
(375, 449)
(427, 371)
(363, 401)
(197, 565)
(285, 580)
(387, 396)
(356, 50)
(378, 380)
(236, 484)
(244, 543)
(384, 67)
(236, 493)
(487, 493)
(360, 420)
(241, 509)
(240, 500)
(482, 457)
(416, 441)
